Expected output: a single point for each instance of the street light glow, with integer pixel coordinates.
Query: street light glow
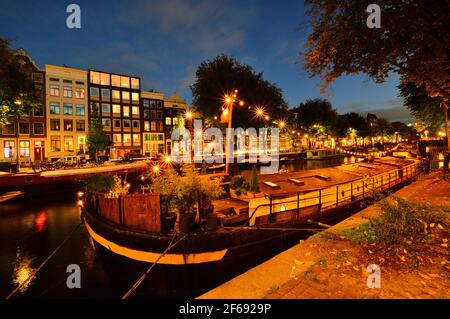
(188, 114)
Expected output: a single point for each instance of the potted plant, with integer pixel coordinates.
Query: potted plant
(165, 185)
(210, 190)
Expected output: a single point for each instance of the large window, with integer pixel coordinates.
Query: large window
(67, 91)
(135, 111)
(127, 139)
(116, 94)
(145, 103)
(146, 126)
(38, 111)
(126, 111)
(168, 121)
(160, 126)
(106, 94)
(80, 109)
(153, 126)
(68, 109)
(135, 97)
(94, 107)
(125, 95)
(55, 143)
(95, 92)
(136, 124)
(9, 149)
(136, 139)
(79, 93)
(95, 77)
(104, 78)
(159, 115)
(116, 109)
(38, 128)
(106, 108)
(117, 138)
(153, 115)
(146, 114)
(24, 149)
(54, 108)
(135, 83)
(115, 80)
(68, 143)
(125, 81)
(24, 128)
(54, 90)
(126, 124)
(55, 125)
(81, 125)
(68, 125)
(106, 123)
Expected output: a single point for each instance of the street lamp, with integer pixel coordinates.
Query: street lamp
(230, 99)
(17, 102)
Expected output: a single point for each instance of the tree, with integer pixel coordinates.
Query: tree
(96, 138)
(413, 41)
(425, 108)
(17, 91)
(316, 112)
(215, 78)
(353, 121)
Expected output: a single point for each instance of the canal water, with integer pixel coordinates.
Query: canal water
(30, 229)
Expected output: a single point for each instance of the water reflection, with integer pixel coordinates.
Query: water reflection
(23, 274)
(40, 222)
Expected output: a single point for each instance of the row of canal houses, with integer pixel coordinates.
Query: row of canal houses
(135, 120)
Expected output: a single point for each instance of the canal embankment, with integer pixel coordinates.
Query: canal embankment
(334, 263)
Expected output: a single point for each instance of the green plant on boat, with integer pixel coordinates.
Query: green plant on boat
(105, 183)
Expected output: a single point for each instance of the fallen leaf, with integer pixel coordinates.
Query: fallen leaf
(440, 226)
(356, 268)
(432, 225)
(403, 258)
(444, 245)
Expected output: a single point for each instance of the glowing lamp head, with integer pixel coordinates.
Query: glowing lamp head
(167, 159)
(188, 114)
(80, 194)
(155, 169)
(241, 103)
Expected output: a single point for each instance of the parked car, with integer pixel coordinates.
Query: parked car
(131, 157)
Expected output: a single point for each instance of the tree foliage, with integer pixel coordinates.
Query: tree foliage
(316, 112)
(17, 91)
(351, 120)
(413, 40)
(215, 78)
(96, 138)
(425, 108)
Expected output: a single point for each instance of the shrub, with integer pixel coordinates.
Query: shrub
(99, 183)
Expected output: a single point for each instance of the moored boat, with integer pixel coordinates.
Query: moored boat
(320, 154)
(9, 195)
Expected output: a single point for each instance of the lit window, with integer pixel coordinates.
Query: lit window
(135, 83)
(168, 121)
(80, 110)
(67, 91)
(9, 149)
(125, 95)
(136, 139)
(126, 111)
(104, 79)
(79, 93)
(54, 90)
(38, 128)
(145, 103)
(126, 139)
(116, 109)
(153, 126)
(106, 108)
(135, 111)
(68, 125)
(55, 143)
(68, 143)
(95, 92)
(24, 149)
(54, 108)
(175, 121)
(135, 96)
(160, 126)
(117, 138)
(116, 95)
(125, 81)
(115, 80)
(55, 125)
(68, 109)
(146, 126)
(95, 77)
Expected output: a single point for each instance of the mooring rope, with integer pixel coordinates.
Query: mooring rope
(34, 272)
(142, 278)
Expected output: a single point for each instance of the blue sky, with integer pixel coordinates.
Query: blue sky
(163, 41)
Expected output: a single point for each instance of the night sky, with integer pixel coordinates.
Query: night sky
(163, 42)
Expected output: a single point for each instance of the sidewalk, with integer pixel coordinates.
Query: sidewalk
(327, 265)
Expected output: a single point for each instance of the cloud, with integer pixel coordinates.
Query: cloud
(189, 79)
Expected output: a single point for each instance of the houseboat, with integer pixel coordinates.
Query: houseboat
(320, 154)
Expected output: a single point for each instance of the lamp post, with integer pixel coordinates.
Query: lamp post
(16, 128)
(229, 101)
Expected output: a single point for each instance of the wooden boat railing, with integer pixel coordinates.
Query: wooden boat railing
(291, 205)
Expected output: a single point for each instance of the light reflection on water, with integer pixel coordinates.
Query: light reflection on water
(23, 275)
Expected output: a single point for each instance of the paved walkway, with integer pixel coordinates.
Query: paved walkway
(333, 267)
